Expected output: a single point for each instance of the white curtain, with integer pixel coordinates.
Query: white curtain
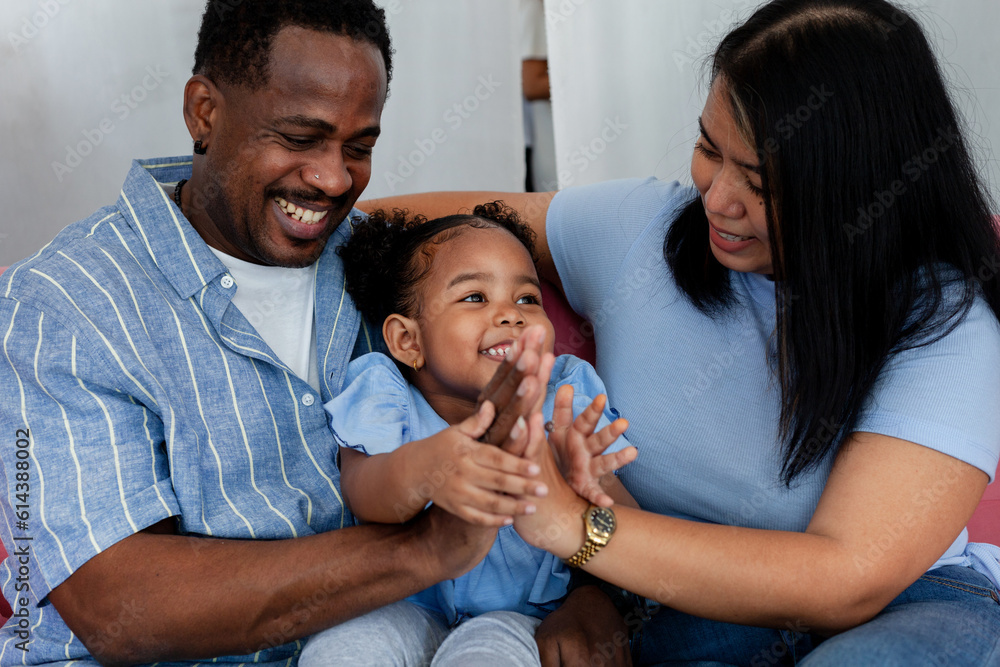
(90, 84)
(453, 118)
(629, 79)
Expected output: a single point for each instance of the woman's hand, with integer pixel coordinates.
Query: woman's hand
(557, 523)
(579, 451)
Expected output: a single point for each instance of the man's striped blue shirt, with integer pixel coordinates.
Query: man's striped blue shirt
(145, 395)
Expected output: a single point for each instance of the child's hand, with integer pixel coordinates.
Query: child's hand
(476, 481)
(578, 450)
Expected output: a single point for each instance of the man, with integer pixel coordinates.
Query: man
(170, 479)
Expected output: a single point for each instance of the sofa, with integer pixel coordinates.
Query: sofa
(571, 338)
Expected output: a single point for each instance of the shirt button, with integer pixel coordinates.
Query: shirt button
(308, 399)
(227, 281)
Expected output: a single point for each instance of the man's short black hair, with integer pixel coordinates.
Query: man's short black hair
(234, 42)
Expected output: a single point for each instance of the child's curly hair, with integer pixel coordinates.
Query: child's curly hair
(388, 256)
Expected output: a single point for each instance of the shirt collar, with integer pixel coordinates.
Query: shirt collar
(176, 248)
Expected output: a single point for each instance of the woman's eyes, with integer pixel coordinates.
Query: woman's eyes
(712, 155)
(759, 192)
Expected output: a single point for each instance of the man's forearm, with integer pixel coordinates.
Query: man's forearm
(191, 598)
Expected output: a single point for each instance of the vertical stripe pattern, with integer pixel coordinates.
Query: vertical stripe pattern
(147, 395)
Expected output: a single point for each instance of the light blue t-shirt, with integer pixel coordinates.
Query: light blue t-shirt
(700, 395)
(378, 411)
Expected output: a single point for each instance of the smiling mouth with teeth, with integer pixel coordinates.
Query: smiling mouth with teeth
(733, 237)
(498, 351)
(304, 215)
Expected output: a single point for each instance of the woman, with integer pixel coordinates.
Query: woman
(807, 348)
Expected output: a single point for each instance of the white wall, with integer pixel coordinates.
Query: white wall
(629, 79)
(78, 92)
(626, 80)
(62, 103)
(453, 118)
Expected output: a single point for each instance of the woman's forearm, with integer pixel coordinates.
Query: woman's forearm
(738, 575)
(750, 576)
(866, 542)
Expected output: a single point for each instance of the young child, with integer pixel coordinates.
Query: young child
(453, 294)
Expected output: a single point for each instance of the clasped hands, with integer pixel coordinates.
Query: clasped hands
(511, 470)
(511, 465)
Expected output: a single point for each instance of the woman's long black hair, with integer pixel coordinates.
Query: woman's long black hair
(880, 228)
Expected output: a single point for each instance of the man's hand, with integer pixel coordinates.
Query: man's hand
(518, 387)
(578, 450)
(585, 626)
(454, 546)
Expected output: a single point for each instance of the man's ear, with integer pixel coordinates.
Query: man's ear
(402, 337)
(202, 104)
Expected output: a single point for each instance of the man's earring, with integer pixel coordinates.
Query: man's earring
(199, 149)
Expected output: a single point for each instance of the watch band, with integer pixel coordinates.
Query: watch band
(588, 549)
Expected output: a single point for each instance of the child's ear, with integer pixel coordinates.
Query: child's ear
(402, 337)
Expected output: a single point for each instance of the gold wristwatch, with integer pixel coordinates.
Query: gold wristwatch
(599, 523)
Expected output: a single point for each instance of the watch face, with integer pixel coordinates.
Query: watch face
(602, 520)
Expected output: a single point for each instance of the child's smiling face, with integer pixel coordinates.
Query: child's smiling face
(479, 296)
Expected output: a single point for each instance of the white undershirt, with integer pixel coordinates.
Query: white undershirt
(280, 303)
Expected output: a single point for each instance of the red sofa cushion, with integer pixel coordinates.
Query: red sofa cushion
(984, 526)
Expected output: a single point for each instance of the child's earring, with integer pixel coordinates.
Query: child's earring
(416, 369)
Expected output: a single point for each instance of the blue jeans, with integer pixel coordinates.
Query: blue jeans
(948, 617)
